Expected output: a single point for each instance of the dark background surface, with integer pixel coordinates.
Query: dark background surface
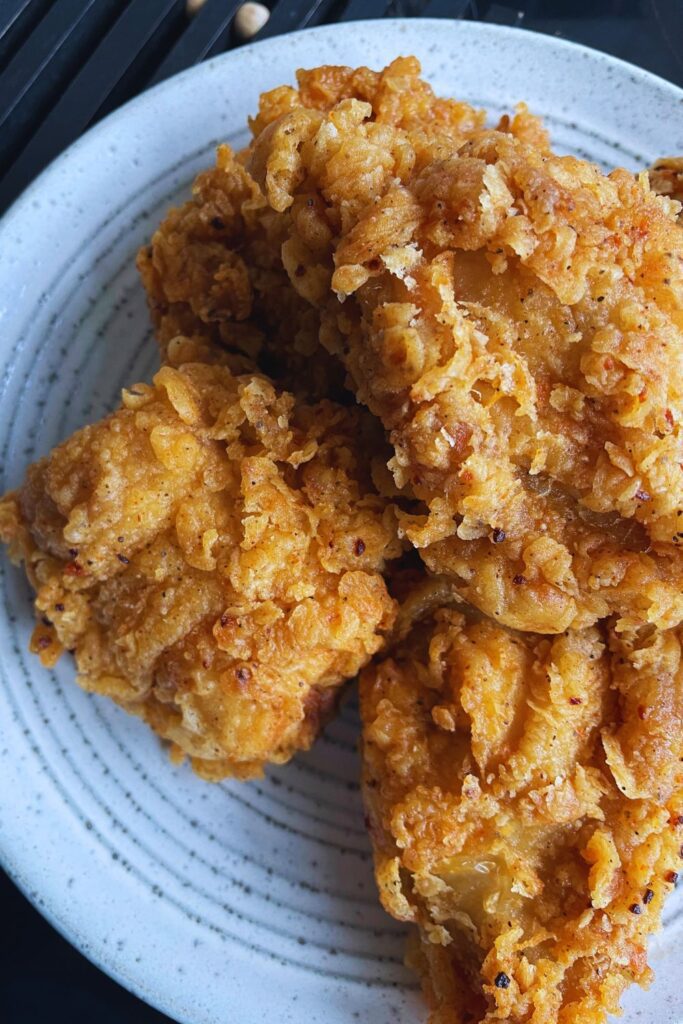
(43, 980)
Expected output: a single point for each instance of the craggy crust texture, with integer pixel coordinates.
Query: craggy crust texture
(212, 271)
(666, 178)
(515, 319)
(212, 554)
(524, 797)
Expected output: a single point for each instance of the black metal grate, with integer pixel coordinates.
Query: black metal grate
(66, 63)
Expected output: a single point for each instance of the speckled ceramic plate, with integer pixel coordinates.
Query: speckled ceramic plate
(236, 903)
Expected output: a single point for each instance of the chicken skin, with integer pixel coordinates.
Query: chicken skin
(515, 319)
(212, 554)
(525, 797)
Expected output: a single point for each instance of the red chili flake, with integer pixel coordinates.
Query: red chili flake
(73, 569)
(574, 700)
(678, 820)
(467, 476)
(643, 395)
(671, 877)
(501, 980)
(123, 559)
(359, 547)
(608, 363)
(43, 642)
(635, 908)
(243, 674)
(642, 712)
(518, 580)
(648, 896)
(642, 495)
(669, 417)
(498, 535)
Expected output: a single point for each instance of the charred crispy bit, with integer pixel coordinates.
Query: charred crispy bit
(515, 319)
(197, 551)
(528, 836)
(666, 178)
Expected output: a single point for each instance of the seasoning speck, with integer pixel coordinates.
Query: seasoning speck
(502, 980)
(648, 896)
(498, 535)
(123, 559)
(635, 908)
(359, 547)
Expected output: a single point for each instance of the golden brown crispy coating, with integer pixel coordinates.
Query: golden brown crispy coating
(516, 321)
(525, 799)
(213, 271)
(212, 553)
(666, 178)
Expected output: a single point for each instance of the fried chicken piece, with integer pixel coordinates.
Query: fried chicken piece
(515, 319)
(525, 797)
(212, 554)
(666, 178)
(213, 271)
